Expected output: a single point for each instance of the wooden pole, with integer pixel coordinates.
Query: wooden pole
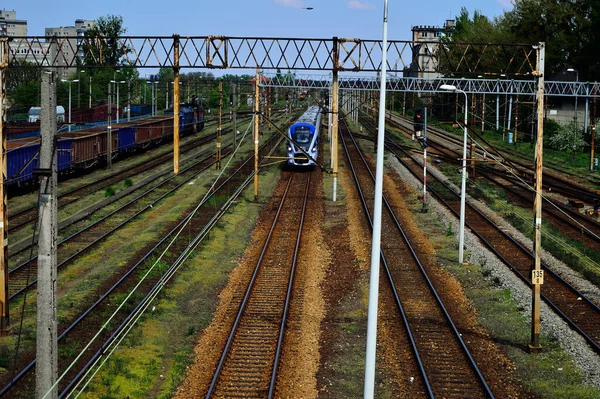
(175, 104)
(4, 308)
(537, 276)
(220, 126)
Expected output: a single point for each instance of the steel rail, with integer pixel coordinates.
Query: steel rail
(288, 295)
(550, 273)
(83, 316)
(131, 202)
(457, 334)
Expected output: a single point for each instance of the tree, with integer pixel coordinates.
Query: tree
(22, 84)
(568, 138)
(102, 45)
(567, 27)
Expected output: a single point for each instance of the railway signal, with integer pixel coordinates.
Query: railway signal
(418, 122)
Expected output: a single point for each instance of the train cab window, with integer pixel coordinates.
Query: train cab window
(302, 135)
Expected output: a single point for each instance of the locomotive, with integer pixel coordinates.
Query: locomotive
(304, 132)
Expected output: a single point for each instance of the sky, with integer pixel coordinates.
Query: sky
(254, 18)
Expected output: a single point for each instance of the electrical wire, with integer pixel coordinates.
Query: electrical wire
(135, 288)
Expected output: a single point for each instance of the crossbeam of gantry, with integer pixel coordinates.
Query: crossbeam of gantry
(221, 52)
(471, 86)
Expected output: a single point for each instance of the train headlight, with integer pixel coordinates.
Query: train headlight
(289, 149)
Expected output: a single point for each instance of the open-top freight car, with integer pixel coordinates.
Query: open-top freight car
(87, 148)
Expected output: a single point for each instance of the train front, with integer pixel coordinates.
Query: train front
(306, 136)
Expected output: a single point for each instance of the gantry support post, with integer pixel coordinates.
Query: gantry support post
(537, 276)
(335, 127)
(46, 342)
(256, 122)
(175, 104)
(4, 308)
(593, 138)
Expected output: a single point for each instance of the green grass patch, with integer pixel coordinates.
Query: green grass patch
(551, 374)
(109, 191)
(158, 351)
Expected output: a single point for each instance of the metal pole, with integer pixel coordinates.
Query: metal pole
(220, 126)
(424, 207)
(497, 112)
(463, 188)
(335, 92)
(483, 113)
(78, 90)
(586, 115)
(69, 106)
(537, 277)
(128, 100)
(593, 138)
(369, 390)
(46, 340)
(117, 84)
(90, 104)
(509, 112)
(175, 104)
(109, 129)
(4, 295)
(256, 122)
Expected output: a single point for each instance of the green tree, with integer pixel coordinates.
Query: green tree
(22, 85)
(102, 46)
(567, 28)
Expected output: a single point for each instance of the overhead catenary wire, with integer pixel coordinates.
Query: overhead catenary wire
(143, 306)
(152, 268)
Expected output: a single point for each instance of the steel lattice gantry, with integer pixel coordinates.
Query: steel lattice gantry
(424, 85)
(419, 59)
(222, 52)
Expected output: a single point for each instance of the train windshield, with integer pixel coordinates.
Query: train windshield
(302, 136)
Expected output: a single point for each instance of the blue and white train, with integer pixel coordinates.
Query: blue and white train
(305, 132)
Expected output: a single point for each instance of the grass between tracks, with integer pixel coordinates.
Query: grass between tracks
(586, 261)
(152, 360)
(551, 374)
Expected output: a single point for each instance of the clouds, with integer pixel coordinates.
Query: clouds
(360, 5)
(290, 3)
(506, 4)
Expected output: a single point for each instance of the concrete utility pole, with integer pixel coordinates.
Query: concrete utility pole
(46, 354)
(4, 308)
(537, 274)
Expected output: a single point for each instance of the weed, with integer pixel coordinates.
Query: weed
(128, 183)
(109, 192)
(449, 232)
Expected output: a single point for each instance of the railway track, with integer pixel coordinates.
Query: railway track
(446, 366)
(450, 148)
(249, 361)
(190, 231)
(580, 312)
(82, 241)
(26, 216)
